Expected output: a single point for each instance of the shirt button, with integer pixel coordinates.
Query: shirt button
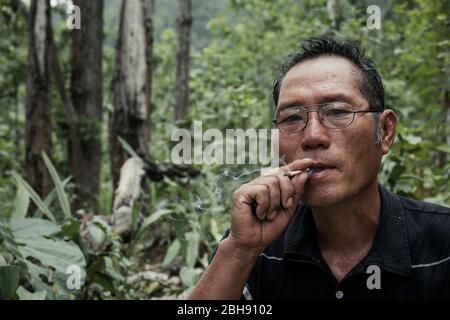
(339, 294)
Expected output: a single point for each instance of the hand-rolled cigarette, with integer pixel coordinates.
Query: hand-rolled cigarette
(291, 174)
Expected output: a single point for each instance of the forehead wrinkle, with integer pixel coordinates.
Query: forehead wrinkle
(301, 82)
(322, 71)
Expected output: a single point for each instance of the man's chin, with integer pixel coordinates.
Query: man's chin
(318, 202)
(321, 196)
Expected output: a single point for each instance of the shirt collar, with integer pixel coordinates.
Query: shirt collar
(390, 249)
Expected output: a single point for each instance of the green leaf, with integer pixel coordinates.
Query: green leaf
(71, 228)
(21, 203)
(102, 279)
(31, 241)
(444, 148)
(9, 281)
(193, 242)
(33, 227)
(134, 215)
(97, 234)
(62, 195)
(154, 217)
(412, 139)
(151, 219)
(189, 276)
(127, 148)
(24, 294)
(172, 252)
(2, 261)
(49, 199)
(34, 196)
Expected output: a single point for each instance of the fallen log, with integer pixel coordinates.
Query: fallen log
(128, 190)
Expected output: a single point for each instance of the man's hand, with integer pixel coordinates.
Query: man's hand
(276, 197)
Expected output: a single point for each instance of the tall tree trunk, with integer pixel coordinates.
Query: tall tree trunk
(87, 99)
(38, 118)
(149, 7)
(131, 101)
(184, 31)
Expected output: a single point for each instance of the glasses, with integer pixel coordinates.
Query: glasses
(333, 115)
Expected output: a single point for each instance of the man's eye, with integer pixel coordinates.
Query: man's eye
(336, 112)
(293, 118)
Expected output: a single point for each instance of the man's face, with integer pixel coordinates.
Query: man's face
(350, 155)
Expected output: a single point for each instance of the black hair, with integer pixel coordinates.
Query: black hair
(370, 83)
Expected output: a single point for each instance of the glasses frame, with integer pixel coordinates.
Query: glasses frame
(316, 107)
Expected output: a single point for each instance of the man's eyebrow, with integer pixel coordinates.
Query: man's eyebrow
(326, 98)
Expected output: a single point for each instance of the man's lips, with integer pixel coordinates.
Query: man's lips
(319, 168)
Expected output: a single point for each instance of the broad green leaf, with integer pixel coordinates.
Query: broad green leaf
(31, 241)
(34, 196)
(24, 294)
(9, 281)
(33, 227)
(172, 252)
(21, 203)
(62, 195)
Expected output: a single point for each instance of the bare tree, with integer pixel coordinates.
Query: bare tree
(87, 98)
(184, 31)
(131, 101)
(38, 117)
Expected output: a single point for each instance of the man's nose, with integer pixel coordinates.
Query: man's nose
(315, 134)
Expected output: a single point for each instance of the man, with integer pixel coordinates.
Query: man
(349, 238)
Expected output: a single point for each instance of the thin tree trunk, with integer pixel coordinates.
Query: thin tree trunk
(87, 99)
(16, 120)
(38, 117)
(149, 7)
(333, 14)
(184, 31)
(69, 110)
(131, 101)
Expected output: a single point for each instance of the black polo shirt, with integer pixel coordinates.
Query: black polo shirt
(409, 258)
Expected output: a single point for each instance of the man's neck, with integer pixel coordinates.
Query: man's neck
(350, 226)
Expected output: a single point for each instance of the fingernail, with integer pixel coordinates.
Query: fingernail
(289, 202)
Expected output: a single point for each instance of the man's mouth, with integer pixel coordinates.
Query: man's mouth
(319, 168)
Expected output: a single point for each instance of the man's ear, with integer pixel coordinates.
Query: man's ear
(389, 126)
